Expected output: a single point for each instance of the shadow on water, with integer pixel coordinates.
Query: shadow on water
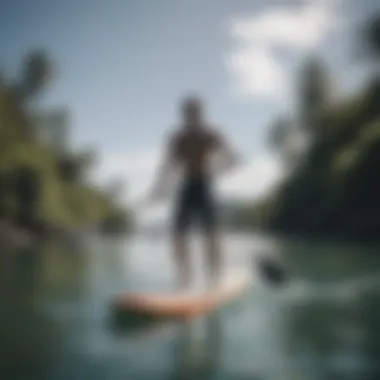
(134, 324)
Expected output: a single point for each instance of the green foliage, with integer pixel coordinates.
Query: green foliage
(285, 139)
(37, 186)
(36, 73)
(371, 35)
(313, 96)
(117, 221)
(336, 191)
(279, 133)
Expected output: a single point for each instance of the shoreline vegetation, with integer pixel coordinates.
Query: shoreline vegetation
(44, 190)
(332, 190)
(331, 148)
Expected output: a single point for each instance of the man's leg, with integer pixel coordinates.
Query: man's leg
(180, 242)
(212, 238)
(182, 259)
(214, 257)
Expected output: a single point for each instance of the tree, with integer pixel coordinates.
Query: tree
(283, 137)
(115, 189)
(313, 96)
(70, 169)
(35, 73)
(88, 158)
(371, 35)
(42, 187)
(279, 132)
(370, 40)
(2, 78)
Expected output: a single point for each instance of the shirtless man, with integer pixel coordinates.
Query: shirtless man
(190, 148)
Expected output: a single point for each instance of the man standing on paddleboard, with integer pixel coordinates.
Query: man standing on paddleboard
(191, 148)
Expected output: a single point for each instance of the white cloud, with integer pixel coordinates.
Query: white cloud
(299, 28)
(254, 179)
(253, 63)
(256, 72)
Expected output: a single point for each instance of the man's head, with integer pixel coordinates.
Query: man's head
(192, 111)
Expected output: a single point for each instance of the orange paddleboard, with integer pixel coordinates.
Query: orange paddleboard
(183, 305)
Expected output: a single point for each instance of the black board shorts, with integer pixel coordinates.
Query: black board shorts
(195, 204)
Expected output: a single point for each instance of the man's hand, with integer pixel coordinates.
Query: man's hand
(166, 175)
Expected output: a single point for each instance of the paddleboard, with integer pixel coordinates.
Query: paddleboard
(183, 304)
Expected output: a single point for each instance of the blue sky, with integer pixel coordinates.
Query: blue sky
(122, 65)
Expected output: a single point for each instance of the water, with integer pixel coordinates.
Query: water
(55, 320)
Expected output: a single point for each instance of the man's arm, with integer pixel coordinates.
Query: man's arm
(165, 170)
(227, 158)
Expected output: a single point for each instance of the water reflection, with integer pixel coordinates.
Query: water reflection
(330, 326)
(54, 319)
(18, 274)
(199, 349)
(29, 340)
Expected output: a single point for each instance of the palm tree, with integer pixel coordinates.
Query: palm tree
(372, 35)
(281, 135)
(371, 42)
(279, 132)
(35, 74)
(313, 95)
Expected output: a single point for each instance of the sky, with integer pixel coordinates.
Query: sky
(121, 67)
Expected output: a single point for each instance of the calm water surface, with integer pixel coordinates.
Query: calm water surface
(55, 320)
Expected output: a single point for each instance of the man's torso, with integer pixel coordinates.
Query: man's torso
(192, 150)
